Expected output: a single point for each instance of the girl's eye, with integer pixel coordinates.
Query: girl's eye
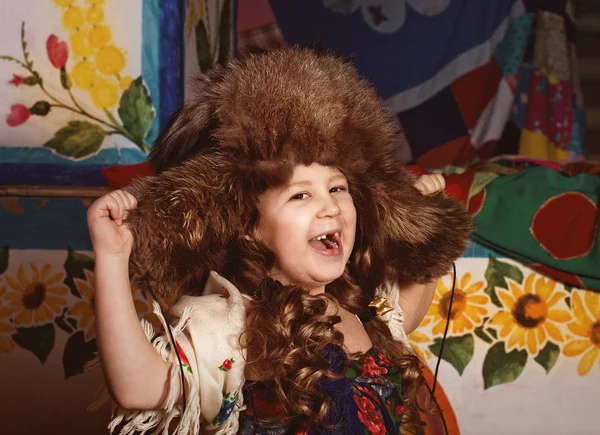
(302, 195)
(338, 189)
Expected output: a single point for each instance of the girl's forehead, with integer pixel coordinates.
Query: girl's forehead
(314, 171)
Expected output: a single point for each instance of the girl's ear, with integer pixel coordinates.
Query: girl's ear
(184, 220)
(424, 234)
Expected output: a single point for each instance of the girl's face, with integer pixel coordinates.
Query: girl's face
(310, 226)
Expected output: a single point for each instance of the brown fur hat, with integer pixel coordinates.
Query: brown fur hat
(244, 131)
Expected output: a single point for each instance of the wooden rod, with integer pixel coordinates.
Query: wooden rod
(53, 191)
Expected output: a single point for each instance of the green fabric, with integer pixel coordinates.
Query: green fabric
(510, 204)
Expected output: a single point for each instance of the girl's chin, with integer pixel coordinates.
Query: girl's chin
(324, 279)
(315, 276)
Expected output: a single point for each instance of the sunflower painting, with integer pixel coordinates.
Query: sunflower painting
(586, 328)
(143, 303)
(6, 328)
(419, 342)
(83, 310)
(531, 315)
(510, 319)
(469, 306)
(40, 301)
(37, 298)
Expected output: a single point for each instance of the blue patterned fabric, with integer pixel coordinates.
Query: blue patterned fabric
(367, 400)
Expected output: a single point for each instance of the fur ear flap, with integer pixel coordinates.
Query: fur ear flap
(184, 220)
(424, 234)
(188, 133)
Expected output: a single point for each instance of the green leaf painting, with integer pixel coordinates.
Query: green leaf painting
(548, 356)
(500, 367)
(78, 353)
(458, 351)
(496, 273)
(136, 111)
(74, 265)
(37, 339)
(78, 139)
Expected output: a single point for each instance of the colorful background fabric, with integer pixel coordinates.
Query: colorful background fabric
(493, 77)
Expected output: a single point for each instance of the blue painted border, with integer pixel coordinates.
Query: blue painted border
(56, 224)
(234, 11)
(171, 59)
(106, 157)
(151, 57)
(47, 174)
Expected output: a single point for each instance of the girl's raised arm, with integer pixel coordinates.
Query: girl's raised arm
(415, 299)
(136, 376)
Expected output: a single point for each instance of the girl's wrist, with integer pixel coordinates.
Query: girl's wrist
(112, 260)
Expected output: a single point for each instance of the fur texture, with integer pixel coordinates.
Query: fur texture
(244, 131)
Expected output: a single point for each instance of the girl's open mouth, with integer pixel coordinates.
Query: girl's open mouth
(328, 244)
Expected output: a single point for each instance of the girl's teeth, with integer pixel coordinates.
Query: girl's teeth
(337, 235)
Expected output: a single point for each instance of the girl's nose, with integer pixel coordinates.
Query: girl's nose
(330, 208)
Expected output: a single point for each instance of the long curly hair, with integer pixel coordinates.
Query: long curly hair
(290, 328)
(250, 125)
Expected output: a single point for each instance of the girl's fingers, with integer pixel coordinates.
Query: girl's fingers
(122, 209)
(125, 200)
(431, 183)
(128, 199)
(113, 208)
(131, 199)
(421, 187)
(129, 202)
(440, 182)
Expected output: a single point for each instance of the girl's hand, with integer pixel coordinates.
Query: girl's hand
(430, 183)
(106, 222)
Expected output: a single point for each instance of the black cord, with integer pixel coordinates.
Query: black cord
(172, 341)
(437, 405)
(437, 366)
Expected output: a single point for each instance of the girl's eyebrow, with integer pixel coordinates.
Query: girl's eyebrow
(301, 183)
(309, 183)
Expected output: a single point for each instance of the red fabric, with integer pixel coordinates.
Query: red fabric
(546, 112)
(459, 186)
(253, 14)
(457, 152)
(475, 89)
(121, 176)
(558, 275)
(571, 213)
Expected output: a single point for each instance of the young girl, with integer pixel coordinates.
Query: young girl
(294, 241)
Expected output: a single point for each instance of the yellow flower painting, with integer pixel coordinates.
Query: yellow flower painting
(531, 315)
(37, 298)
(88, 64)
(83, 310)
(419, 342)
(586, 327)
(6, 327)
(469, 306)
